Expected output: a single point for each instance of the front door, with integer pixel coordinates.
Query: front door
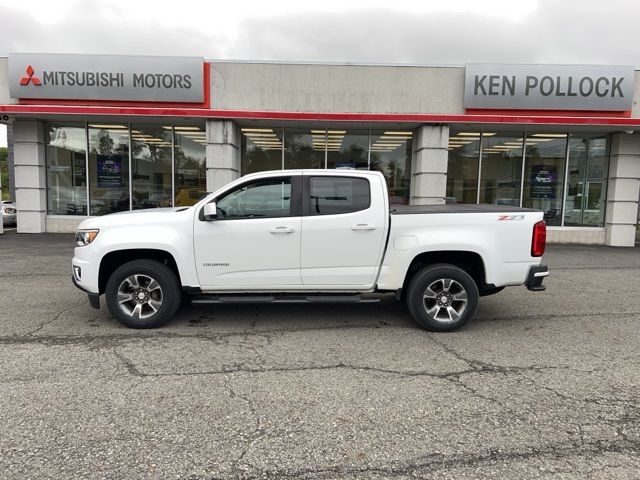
(255, 241)
(343, 230)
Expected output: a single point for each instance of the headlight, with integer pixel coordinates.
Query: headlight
(85, 237)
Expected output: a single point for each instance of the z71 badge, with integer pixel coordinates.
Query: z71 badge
(510, 217)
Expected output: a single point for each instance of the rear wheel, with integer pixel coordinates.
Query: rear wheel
(143, 294)
(442, 297)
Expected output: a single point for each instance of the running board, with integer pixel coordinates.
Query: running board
(318, 298)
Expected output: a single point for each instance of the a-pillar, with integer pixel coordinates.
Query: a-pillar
(429, 165)
(223, 153)
(30, 175)
(623, 189)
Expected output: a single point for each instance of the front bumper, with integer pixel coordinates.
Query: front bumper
(9, 219)
(536, 275)
(94, 298)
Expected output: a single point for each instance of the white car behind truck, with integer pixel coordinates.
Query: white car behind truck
(308, 236)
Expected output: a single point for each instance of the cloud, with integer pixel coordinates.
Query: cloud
(552, 31)
(92, 28)
(556, 32)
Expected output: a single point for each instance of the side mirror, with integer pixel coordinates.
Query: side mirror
(210, 212)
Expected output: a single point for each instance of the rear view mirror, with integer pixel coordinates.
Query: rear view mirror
(210, 211)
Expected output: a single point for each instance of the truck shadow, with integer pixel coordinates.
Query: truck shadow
(282, 316)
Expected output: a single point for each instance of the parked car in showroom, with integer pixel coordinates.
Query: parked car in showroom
(313, 236)
(9, 213)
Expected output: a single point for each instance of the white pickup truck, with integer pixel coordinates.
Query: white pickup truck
(308, 236)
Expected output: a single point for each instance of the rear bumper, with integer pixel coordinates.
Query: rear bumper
(94, 298)
(536, 275)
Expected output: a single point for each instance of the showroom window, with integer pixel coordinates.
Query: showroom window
(304, 148)
(387, 151)
(586, 179)
(108, 168)
(462, 172)
(168, 167)
(347, 149)
(261, 149)
(548, 171)
(151, 173)
(391, 155)
(66, 170)
(501, 168)
(544, 174)
(190, 172)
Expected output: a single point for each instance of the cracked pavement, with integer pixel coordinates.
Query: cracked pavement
(540, 385)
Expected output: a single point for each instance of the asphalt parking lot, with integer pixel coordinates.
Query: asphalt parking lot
(541, 385)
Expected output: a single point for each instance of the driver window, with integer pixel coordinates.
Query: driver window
(267, 198)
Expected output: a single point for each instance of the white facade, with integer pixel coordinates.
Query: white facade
(426, 101)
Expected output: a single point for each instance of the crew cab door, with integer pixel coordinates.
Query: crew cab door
(343, 230)
(255, 240)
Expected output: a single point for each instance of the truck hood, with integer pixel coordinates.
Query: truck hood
(151, 216)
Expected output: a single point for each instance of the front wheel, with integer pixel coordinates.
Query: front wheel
(442, 297)
(143, 294)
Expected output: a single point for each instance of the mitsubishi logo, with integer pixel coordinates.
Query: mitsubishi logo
(30, 77)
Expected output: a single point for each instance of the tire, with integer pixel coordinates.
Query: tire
(150, 278)
(442, 297)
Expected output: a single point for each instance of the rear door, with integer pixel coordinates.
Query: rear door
(343, 230)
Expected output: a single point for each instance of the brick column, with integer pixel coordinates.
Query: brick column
(623, 188)
(223, 153)
(30, 175)
(429, 165)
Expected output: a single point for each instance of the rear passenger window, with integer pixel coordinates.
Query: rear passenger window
(334, 195)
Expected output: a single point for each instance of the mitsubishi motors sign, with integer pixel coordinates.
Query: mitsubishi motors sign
(106, 77)
(548, 87)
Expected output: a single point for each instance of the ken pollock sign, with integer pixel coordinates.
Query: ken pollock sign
(548, 87)
(106, 77)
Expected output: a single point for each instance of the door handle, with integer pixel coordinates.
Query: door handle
(363, 226)
(281, 230)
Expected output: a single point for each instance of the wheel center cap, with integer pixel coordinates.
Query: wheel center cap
(141, 295)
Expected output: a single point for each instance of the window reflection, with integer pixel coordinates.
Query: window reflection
(304, 148)
(190, 165)
(462, 170)
(261, 149)
(391, 155)
(66, 170)
(587, 180)
(501, 172)
(108, 168)
(544, 174)
(151, 166)
(347, 148)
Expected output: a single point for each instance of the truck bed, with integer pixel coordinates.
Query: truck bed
(457, 208)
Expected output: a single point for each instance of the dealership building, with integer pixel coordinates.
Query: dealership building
(97, 134)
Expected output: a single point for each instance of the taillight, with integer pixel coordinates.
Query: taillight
(539, 239)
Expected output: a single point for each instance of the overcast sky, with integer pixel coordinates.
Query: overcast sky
(451, 32)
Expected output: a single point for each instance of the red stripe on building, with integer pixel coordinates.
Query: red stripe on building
(161, 111)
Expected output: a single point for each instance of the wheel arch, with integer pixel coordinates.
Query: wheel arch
(470, 262)
(112, 260)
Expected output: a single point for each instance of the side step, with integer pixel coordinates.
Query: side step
(282, 298)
